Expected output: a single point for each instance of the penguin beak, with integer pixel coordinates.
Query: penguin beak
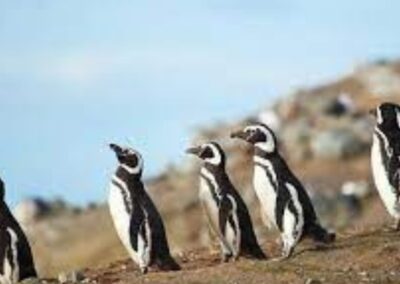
(194, 151)
(117, 149)
(240, 135)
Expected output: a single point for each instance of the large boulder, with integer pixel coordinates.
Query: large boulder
(296, 139)
(380, 79)
(30, 210)
(271, 118)
(337, 144)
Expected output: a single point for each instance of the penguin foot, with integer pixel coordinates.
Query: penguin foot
(279, 258)
(396, 225)
(391, 228)
(226, 258)
(144, 270)
(235, 258)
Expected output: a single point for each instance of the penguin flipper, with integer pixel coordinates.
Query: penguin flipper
(136, 225)
(281, 203)
(395, 182)
(224, 213)
(4, 250)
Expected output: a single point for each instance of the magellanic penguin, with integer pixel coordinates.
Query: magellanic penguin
(385, 157)
(226, 211)
(282, 197)
(16, 261)
(136, 219)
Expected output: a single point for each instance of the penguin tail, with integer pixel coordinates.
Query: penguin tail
(254, 252)
(258, 254)
(167, 264)
(320, 234)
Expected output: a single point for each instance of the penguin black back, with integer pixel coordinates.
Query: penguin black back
(24, 253)
(388, 134)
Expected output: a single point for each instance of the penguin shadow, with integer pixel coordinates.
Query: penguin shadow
(307, 246)
(317, 248)
(349, 241)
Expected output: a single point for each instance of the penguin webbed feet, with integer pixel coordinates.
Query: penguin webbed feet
(394, 227)
(285, 255)
(168, 264)
(226, 257)
(229, 256)
(144, 270)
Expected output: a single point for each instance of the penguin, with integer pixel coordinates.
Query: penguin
(385, 157)
(226, 211)
(16, 261)
(136, 219)
(283, 198)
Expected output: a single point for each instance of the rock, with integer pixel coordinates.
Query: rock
(296, 139)
(359, 189)
(380, 80)
(270, 118)
(30, 210)
(289, 108)
(341, 105)
(352, 206)
(336, 144)
(72, 276)
(324, 205)
(350, 199)
(30, 281)
(362, 127)
(312, 281)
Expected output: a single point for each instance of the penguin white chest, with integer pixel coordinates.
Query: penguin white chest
(208, 202)
(10, 264)
(265, 192)
(230, 239)
(119, 213)
(381, 179)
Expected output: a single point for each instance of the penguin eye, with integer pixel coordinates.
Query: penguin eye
(207, 153)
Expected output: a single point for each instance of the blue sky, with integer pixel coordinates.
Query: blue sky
(75, 75)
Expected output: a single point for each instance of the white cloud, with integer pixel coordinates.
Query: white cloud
(85, 67)
(231, 70)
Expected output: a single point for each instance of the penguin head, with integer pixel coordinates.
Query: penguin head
(387, 115)
(130, 159)
(210, 153)
(259, 135)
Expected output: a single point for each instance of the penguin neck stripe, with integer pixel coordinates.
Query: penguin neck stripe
(124, 191)
(130, 170)
(209, 177)
(269, 169)
(262, 161)
(262, 153)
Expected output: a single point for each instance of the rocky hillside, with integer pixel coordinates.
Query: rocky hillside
(324, 132)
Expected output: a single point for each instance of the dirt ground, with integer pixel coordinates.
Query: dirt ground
(358, 256)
